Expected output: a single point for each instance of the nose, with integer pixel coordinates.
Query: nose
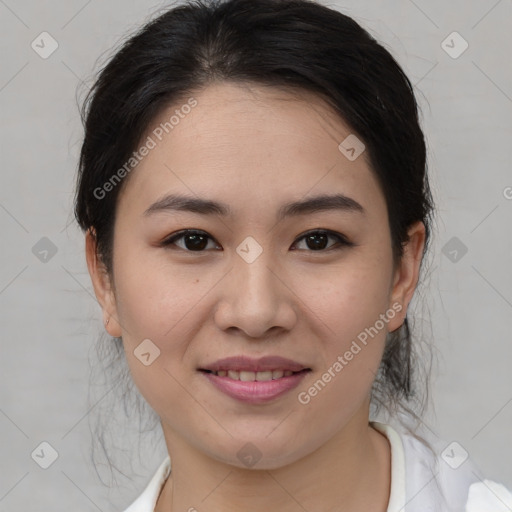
(256, 298)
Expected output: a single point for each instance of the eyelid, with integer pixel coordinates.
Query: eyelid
(342, 239)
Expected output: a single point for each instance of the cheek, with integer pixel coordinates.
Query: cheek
(154, 301)
(352, 303)
(157, 303)
(347, 298)
(353, 336)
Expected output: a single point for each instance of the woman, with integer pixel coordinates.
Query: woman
(253, 189)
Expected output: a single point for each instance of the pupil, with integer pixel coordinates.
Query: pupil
(197, 243)
(321, 245)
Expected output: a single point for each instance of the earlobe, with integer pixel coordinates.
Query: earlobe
(102, 286)
(406, 275)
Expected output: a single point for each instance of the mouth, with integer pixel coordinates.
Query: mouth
(250, 376)
(254, 381)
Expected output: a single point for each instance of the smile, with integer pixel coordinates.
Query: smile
(247, 376)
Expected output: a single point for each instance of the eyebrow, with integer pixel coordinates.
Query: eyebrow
(175, 202)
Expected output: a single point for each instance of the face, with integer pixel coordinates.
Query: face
(315, 286)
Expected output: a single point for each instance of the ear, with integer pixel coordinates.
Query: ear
(406, 274)
(102, 286)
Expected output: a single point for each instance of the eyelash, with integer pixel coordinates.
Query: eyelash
(342, 240)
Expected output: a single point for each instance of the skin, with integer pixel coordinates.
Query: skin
(255, 148)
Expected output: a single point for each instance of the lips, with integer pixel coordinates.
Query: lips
(255, 381)
(247, 364)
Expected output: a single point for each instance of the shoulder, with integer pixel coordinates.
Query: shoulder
(439, 476)
(489, 496)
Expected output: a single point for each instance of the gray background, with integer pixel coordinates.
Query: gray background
(50, 319)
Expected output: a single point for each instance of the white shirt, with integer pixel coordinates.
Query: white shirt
(420, 480)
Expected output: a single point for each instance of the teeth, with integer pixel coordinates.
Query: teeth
(245, 376)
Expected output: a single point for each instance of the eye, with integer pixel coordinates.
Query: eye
(316, 240)
(197, 241)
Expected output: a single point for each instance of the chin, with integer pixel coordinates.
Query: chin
(260, 452)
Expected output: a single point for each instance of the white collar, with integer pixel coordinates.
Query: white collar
(397, 493)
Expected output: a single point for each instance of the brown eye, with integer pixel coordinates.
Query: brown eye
(193, 241)
(318, 240)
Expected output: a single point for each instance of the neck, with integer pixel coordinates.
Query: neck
(349, 473)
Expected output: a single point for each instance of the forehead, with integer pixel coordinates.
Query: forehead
(249, 145)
